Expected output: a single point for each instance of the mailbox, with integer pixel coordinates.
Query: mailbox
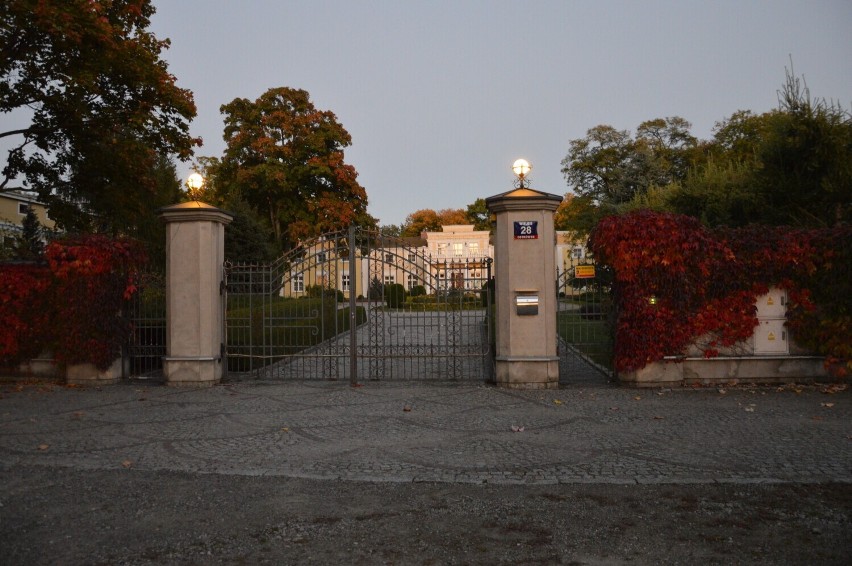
(526, 304)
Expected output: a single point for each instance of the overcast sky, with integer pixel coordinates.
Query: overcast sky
(440, 97)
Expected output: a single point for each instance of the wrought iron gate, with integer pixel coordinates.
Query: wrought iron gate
(584, 323)
(359, 305)
(146, 311)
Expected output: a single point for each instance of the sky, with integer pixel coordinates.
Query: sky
(440, 97)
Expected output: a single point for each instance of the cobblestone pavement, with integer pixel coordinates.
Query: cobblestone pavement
(410, 432)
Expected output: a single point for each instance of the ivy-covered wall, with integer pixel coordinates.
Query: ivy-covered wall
(677, 280)
(70, 303)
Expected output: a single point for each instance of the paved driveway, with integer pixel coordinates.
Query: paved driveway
(404, 432)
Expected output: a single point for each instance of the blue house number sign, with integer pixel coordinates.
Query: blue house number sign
(526, 230)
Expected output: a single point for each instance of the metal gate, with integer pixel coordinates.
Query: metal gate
(584, 323)
(146, 344)
(358, 305)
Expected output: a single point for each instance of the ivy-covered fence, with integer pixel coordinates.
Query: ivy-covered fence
(70, 303)
(677, 280)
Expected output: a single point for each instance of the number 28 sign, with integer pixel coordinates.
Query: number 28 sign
(526, 230)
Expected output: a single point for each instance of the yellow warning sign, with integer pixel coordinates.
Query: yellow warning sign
(584, 271)
(771, 337)
(769, 301)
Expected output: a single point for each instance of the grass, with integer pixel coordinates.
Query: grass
(591, 337)
(265, 329)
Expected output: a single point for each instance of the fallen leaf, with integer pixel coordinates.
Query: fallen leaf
(127, 463)
(285, 429)
(723, 391)
(43, 446)
(827, 405)
(78, 414)
(516, 428)
(407, 408)
(638, 398)
(557, 401)
(658, 418)
(750, 409)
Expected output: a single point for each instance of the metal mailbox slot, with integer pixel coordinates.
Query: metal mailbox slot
(526, 304)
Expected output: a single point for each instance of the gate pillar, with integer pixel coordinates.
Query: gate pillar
(195, 257)
(525, 288)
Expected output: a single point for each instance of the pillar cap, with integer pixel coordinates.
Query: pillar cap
(194, 211)
(523, 199)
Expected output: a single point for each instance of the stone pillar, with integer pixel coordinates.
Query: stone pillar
(195, 256)
(526, 302)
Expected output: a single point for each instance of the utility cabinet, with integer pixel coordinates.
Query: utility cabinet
(771, 336)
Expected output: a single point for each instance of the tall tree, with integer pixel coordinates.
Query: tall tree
(423, 220)
(478, 215)
(450, 216)
(285, 159)
(103, 108)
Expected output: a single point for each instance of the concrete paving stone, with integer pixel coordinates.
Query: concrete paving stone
(452, 433)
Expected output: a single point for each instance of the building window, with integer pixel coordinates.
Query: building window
(412, 256)
(442, 249)
(473, 248)
(389, 279)
(577, 253)
(321, 257)
(458, 249)
(299, 283)
(388, 258)
(344, 282)
(412, 281)
(23, 208)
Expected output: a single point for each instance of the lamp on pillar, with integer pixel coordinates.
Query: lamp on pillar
(521, 168)
(194, 183)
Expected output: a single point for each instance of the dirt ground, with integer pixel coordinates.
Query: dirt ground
(63, 516)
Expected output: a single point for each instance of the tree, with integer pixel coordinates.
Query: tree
(576, 214)
(477, 214)
(392, 230)
(792, 165)
(611, 168)
(103, 108)
(805, 177)
(451, 216)
(423, 220)
(285, 159)
(29, 245)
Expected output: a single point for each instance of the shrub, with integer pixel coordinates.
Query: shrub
(417, 291)
(394, 295)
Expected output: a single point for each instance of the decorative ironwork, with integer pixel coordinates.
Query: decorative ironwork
(584, 322)
(363, 306)
(146, 345)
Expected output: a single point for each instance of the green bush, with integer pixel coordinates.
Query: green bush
(417, 291)
(394, 295)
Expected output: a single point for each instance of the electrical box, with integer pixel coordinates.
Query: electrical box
(526, 304)
(770, 335)
(772, 305)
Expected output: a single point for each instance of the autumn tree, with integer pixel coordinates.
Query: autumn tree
(423, 220)
(452, 216)
(284, 157)
(100, 109)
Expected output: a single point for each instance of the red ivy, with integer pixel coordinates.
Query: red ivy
(73, 305)
(705, 282)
